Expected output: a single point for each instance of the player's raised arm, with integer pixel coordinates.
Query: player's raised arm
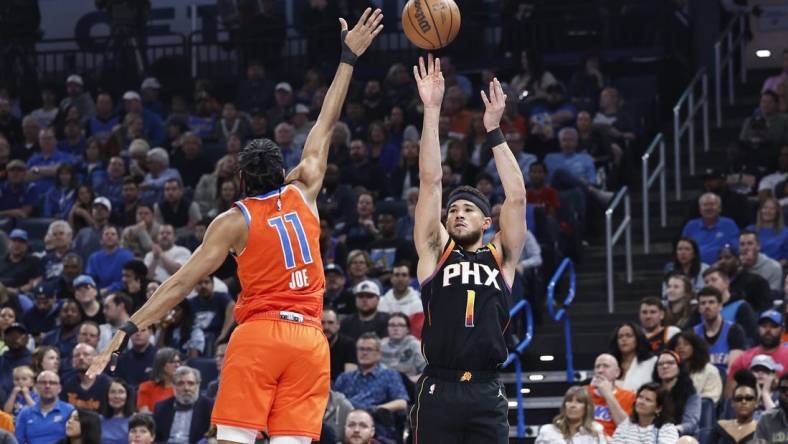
(511, 238)
(312, 168)
(429, 235)
(226, 232)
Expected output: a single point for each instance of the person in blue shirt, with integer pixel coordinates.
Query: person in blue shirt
(74, 143)
(771, 230)
(118, 407)
(569, 168)
(16, 339)
(372, 387)
(159, 173)
(711, 231)
(106, 265)
(42, 166)
(152, 124)
(110, 182)
(44, 422)
(60, 198)
(17, 196)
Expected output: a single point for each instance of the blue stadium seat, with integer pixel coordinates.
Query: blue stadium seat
(207, 368)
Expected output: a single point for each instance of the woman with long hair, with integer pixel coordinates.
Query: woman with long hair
(741, 429)
(679, 296)
(59, 199)
(178, 331)
(532, 79)
(160, 385)
(45, 357)
(209, 186)
(651, 419)
(686, 261)
(82, 427)
(7, 317)
(229, 193)
(80, 216)
(632, 351)
(772, 233)
(116, 410)
(695, 352)
(575, 423)
(682, 399)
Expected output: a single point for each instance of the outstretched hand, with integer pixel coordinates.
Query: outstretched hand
(493, 106)
(368, 27)
(429, 81)
(102, 359)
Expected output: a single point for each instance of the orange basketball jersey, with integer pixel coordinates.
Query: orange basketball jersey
(280, 269)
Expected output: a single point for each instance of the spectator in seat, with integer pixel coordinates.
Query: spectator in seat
(152, 124)
(517, 145)
(539, 192)
(725, 339)
(406, 174)
(556, 109)
(100, 126)
(190, 160)
(179, 331)
(284, 136)
(88, 333)
(117, 310)
(753, 261)
(22, 394)
(42, 166)
(134, 280)
(532, 79)
(695, 352)
(650, 421)
(107, 263)
(367, 318)
(743, 284)
(679, 299)
(767, 125)
(406, 222)
(218, 356)
(80, 390)
(738, 311)
(612, 405)
(135, 365)
(771, 427)
(45, 357)
(337, 297)
(611, 119)
(25, 144)
(64, 284)
(57, 201)
(256, 90)
(80, 215)
(20, 271)
(401, 351)
(770, 331)
(45, 422)
(116, 410)
(764, 370)
(686, 261)
(575, 421)
(88, 239)
(45, 115)
(110, 183)
(336, 200)
(359, 265)
(359, 428)
(772, 82)
(683, 401)
(142, 429)
(165, 258)
(158, 174)
(15, 337)
(85, 293)
(572, 170)
(140, 237)
(652, 318)
(341, 347)
(360, 172)
(633, 353)
(73, 142)
(768, 185)
(212, 310)
(771, 230)
(186, 416)
(402, 298)
(373, 387)
(160, 385)
(126, 208)
(710, 231)
(58, 245)
(283, 107)
(587, 83)
(741, 429)
(18, 195)
(389, 249)
(78, 97)
(41, 318)
(64, 337)
(175, 210)
(209, 186)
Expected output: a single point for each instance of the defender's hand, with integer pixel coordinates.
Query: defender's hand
(106, 355)
(368, 27)
(494, 106)
(429, 80)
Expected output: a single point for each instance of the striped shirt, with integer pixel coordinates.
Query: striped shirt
(629, 433)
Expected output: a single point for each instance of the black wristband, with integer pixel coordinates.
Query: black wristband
(129, 328)
(347, 55)
(493, 139)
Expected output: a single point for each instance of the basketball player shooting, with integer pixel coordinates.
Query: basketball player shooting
(276, 370)
(465, 285)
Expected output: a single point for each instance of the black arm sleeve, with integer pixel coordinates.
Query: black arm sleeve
(737, 340)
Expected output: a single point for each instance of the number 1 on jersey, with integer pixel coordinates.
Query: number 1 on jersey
(284, 238)
(469, 308)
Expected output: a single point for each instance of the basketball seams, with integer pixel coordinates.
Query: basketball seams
(418, 31)
(434, 25)
(451, 24)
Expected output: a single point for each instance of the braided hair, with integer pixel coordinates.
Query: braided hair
(261, 162)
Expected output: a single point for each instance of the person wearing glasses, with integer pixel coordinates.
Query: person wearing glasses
(682, 399)
(44, 422)
(773, 424)
(402, 351)
(742, 428)
(160, 386)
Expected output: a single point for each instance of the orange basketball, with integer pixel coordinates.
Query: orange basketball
(431, 24)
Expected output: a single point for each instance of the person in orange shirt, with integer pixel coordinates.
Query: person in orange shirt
(7, 422)
(276, 376)
(612, 405)
(159, 387)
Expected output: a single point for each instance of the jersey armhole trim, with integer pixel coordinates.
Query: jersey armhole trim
(498, 261)
(446, 252)
(245, 211)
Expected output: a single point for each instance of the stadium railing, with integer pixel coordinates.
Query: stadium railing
(694, 104)
(724, 53)
(649, 177)
(562, 313)
(524, 308)
(611, 237)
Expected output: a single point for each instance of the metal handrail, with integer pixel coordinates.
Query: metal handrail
(648, 180)
(524, 307)
(611, 238)
(563, 313)
(724, 52)
(688, 124)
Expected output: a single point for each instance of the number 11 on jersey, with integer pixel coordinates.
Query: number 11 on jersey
(469, 308)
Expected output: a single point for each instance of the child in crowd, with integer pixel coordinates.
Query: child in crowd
(23, 394)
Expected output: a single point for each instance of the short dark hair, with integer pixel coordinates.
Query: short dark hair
(537, 164)
(710, 291)
(129, 180)
(143, 420)
(716, 269)
(146, 205)
(662, 396)
(173, 179)
(401, 315)
(402, 263)
(748, 233)
(121, 298)
(261, 164)
(137, 267)
(652, 300)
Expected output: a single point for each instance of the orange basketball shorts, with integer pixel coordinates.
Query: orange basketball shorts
(275, 378)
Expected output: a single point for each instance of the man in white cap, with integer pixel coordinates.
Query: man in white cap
(88, 239)
(283, 109)
(764, 368)
(152, 124)
(150, 96)
(78, 97)
(301, 124)
(284, 136)
(367, 317)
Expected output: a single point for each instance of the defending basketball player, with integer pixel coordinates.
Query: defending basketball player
(276, 369)
(466, 285)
